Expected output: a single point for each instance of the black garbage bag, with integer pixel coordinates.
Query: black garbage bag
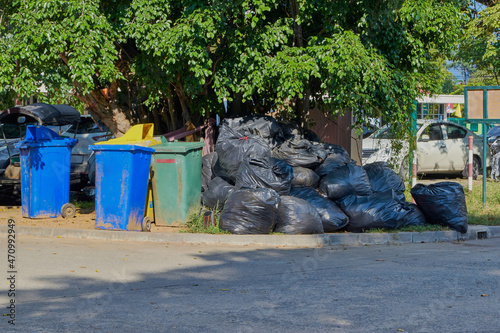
(442, 203)
(232, 147)
(383, 178)
(415, 217)
(207, 173)
(265, 172)
(300, 153)
(264, 126)
(298, 216)
(311, 135)
(216, 194)
(291, 131)
(347, 179)
(379, 210)
(303, 177)
(250, 211)
(333, 149)
(331, 163)
(332, 217)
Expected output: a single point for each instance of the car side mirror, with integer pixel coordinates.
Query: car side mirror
(424, 137)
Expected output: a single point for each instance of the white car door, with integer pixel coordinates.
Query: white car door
(456, 142)
(432, 152)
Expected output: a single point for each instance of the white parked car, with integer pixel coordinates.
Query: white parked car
(442, 148)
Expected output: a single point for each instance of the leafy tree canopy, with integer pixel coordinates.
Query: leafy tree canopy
(480, 46)
(170, 61)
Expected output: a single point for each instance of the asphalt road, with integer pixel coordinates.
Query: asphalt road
(75, 285)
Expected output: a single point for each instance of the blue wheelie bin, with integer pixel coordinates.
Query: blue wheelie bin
(45, 173)
(121, 185)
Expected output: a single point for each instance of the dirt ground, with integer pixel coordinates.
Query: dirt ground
(84, 219)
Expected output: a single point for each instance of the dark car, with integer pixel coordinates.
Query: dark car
(13, 123)
(493, 137)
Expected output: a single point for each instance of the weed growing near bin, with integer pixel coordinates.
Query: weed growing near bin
(84, 206)
(195, 222)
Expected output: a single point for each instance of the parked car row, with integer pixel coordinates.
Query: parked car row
(442, 148)
(63, 119)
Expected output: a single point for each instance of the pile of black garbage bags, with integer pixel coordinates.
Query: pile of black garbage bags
(266, 176)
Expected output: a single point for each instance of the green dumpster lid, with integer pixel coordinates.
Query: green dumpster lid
(177, 146)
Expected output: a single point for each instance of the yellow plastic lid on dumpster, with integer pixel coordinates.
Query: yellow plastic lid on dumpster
(141, 135)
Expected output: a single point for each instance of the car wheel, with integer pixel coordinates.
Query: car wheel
(476, 165)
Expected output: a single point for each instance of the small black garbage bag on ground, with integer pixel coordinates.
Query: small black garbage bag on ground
(415, 217)
(303, 177)
(265, 172)
(232, 147)
(250, 211)
(442, 203)
(207, 165)
(383, 178)
(264, 126)
(347, 179)
(379, 210)
(300, 153)
(298, 216)
(332, 217)
(217, 193)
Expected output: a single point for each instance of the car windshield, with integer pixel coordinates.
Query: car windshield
(384, 133)
(14, 131)
(87, 125)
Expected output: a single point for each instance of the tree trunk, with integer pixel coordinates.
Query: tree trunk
(103, 107)
(183, 100)
(301, 104)
(171, 111)
(297, 28)
(156, 119)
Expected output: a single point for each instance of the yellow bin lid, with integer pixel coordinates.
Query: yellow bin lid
(141, 135)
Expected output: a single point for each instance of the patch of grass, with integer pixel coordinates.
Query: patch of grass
(84, 204)
(195, 222)
(420, 228)
(479, 213)
(84, 207)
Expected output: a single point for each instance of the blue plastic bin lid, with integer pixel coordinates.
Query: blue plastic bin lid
(125, 148)
(37, 136)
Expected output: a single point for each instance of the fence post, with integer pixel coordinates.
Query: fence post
(471, 161)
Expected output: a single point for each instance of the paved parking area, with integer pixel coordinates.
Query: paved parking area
(70, 285)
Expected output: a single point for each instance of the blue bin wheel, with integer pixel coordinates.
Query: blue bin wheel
(68, 210)
(146, 224)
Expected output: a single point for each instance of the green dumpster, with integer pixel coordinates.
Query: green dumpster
(176, 180)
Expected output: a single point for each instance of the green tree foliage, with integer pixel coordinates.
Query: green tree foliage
(480, 47)
(171, 61)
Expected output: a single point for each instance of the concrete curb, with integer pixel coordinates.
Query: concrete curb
(474, 232)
